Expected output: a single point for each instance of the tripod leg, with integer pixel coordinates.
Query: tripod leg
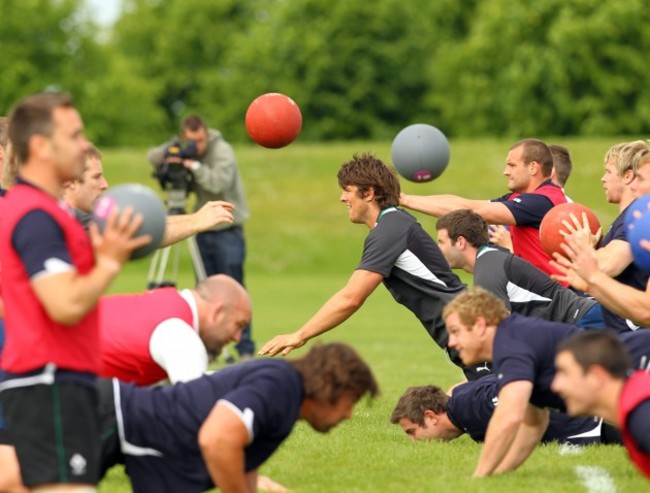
(197, 261)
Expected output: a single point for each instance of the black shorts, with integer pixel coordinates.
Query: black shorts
(55, 429)
(111, 450)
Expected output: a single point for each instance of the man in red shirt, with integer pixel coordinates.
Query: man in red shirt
(53, 275)
(529, 165)
(593, 377)
(165, 333)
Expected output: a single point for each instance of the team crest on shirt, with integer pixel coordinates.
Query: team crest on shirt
(78, 465)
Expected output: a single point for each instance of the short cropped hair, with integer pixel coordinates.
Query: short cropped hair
(561, 162)
(330, 370)
(193, 123)
(536, 150)
(476, 302)
(366, 171)
(415, 400)
(34, 116)
(598, 347)
(465, 223)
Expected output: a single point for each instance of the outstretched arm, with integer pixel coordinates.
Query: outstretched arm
(504, 426)
(181, 226)
(439, 205)
(334, 312)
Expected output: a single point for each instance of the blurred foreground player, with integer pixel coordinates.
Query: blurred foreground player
(220, 428)
(53, 275)
(169, 334)
(594, 377)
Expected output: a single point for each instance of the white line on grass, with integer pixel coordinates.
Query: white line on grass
(595, 479)
(570, 449)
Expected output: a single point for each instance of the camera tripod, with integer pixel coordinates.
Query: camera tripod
(160, 260)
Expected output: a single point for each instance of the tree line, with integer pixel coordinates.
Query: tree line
(358, 70)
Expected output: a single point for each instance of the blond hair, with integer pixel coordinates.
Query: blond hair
(476, 302)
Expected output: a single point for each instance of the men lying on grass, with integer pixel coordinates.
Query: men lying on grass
(522, 351)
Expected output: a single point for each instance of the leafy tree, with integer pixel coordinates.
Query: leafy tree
(175, 43)
(356, 69)
(546, 68)
(41, 45)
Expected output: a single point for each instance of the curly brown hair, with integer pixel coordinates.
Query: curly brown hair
(366, 171)
(329, 370)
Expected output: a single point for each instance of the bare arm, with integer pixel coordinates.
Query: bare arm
(222, 439)
(68, 296)
(504, 426)
(439, 205)
(614, 257)
(579, 265)
(179, 227)
(530, 433)
(334, 312)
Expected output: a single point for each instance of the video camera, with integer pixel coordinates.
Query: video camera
(175, 177)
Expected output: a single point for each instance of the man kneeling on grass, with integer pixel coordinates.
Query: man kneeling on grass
(220, 428)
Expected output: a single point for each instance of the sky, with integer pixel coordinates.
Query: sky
(104, 12)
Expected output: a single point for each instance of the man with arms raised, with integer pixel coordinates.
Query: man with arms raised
(626, 296)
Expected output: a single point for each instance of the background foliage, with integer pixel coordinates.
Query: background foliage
(357, 69)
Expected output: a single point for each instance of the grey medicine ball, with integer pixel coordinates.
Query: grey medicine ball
(420, 152)
(144, 201)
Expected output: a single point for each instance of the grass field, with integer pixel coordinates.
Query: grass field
(302, 248)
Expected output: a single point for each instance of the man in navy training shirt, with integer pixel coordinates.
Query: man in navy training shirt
(217, 430)
(426, 412)
(522, 351)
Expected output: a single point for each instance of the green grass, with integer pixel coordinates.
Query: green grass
(301, 248)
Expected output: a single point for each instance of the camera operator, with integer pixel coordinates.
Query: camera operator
(210, 160)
